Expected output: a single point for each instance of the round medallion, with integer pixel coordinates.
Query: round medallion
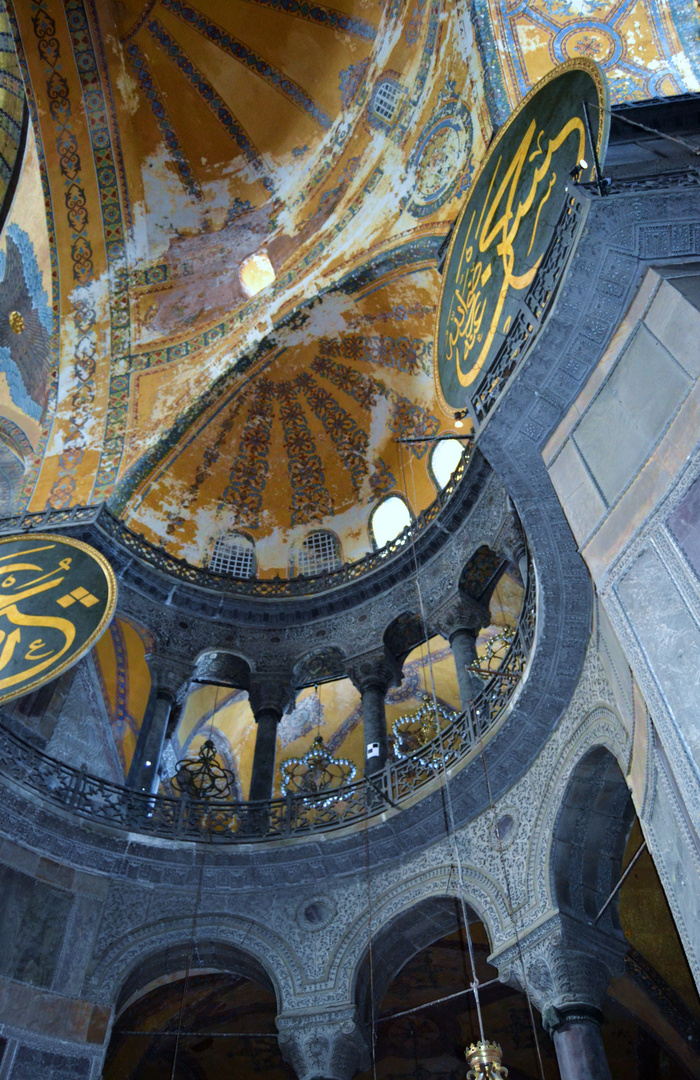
(590, 39)
(57, 596)
(439, 162)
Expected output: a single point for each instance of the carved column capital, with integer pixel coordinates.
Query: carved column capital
(171, 675)
(376, 668)
(568, 965)
(461, 612)
(323, 1046)
(270, 692)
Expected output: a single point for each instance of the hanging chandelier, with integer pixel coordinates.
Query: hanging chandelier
(494, 652)
(316, 772)
(484, 1059)
(413, 733)
(202, 777)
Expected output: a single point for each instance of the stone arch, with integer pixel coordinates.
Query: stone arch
(481, 573)
(407, 918)
(404, 633)
(590, 835)
(407, 934)
(172, 961)
(129, 966)
(321, 665)
(224, 669)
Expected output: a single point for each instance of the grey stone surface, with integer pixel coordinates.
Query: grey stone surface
(670, 638)
(33, 920)
(630, 412)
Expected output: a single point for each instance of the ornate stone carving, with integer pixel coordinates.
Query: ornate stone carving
(270, 692)
(461, 612)
(324, 1046)
(563, 966)
(377, 668)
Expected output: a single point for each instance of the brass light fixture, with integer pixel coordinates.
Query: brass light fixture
(484, 1059)
(16, 321)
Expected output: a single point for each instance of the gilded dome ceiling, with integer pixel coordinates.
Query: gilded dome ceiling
(308, 435)
(171, 142)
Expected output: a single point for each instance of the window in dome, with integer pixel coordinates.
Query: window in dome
(444, 459)
(233, 554)
(389, 519)
(385, 101)
(318, 553)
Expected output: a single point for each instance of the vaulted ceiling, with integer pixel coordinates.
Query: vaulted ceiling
(172, 139)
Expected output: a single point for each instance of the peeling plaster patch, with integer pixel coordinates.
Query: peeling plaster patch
(128, 88)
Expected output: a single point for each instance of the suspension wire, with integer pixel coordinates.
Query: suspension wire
(437, 1001)
(526, 984)
(694, 150)
(372, 1022)
(188, 968)
(451, 828)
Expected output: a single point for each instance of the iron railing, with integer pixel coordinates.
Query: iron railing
(162, 560)
(296, 815)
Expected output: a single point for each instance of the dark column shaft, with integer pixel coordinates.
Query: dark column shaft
(143, 772)
(580, 1051)
(463, 645)
(263, 775)
(374, 723)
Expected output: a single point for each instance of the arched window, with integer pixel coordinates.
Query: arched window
(389, 519)
(317, 553)
(233, 554)
(444, 459)
(386, 101)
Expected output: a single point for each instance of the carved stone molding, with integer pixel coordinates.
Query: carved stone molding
(324, 1046)
(563, 965)
(461, 612)
(377, 668)
(270, 692)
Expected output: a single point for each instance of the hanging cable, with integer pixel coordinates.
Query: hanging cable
(372, 1023)
(447, 797)
(188, 967)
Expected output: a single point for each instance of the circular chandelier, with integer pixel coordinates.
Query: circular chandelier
(202, 777)
(316, 772)
(413, 733)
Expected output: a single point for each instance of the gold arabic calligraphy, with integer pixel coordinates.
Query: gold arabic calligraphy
(13, 591)
(465, 324)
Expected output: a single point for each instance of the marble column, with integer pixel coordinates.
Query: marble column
(578, 1042)
(169, 681)
(568, 965)
(269, 697)
(329, 1045)
(372, 674)
(460, 621)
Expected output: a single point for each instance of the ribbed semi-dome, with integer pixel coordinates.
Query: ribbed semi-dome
(310, 436)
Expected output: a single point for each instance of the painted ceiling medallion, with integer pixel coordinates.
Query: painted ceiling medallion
(440, 163)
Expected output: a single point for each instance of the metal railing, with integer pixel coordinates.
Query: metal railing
(295, 816)
(162, 560)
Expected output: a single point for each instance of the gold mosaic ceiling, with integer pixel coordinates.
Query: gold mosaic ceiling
(172, 139)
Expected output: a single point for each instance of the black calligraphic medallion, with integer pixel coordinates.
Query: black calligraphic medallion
(515, 234)
(57, 596)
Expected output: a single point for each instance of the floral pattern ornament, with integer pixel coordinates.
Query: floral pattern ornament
(249, 473)
(440, 164)
(310, 498)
